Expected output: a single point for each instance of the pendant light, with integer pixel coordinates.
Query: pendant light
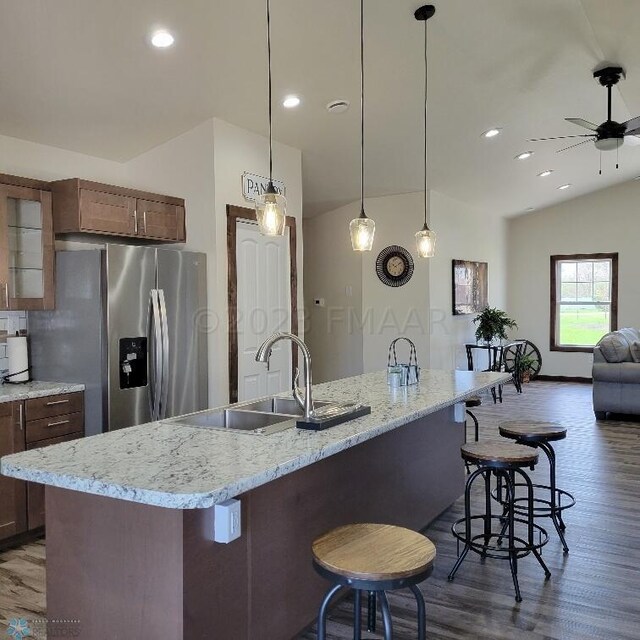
(271, 206)
(425, 238)
(362, 229)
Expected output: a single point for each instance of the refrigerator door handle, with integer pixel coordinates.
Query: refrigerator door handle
(155, 339)
(164, 380)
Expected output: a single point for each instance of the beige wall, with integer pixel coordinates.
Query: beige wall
(420, 310)
(604, 221)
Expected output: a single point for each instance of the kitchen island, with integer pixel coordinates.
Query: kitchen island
(130, 550)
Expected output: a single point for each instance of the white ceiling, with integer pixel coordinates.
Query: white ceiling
(81, 76)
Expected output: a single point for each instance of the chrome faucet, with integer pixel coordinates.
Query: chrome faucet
(264, 353)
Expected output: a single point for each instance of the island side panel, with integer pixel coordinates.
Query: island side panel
(114, 566)
(405, 477)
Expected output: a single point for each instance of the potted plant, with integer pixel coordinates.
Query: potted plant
(493, 324)
(527, 363)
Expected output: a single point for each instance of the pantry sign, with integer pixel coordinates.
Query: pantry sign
(253, 185)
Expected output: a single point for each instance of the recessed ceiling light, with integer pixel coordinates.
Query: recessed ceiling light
(524, 155)
(338, 106)
(290, 102)
(491, 133)
(162, 39)
(545, 173)
(530, 209)
(562, 187)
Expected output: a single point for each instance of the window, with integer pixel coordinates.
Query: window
(584, 300)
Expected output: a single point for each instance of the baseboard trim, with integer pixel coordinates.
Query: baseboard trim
(565, 379)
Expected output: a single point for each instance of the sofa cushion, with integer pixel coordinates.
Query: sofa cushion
(615, 347)
(635, 350)
(630, 334)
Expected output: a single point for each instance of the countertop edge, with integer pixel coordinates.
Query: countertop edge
(204, 500)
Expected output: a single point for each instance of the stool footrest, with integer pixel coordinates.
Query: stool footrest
(539, 511)
(499, 551)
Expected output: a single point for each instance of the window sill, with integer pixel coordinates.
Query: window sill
(572, 349)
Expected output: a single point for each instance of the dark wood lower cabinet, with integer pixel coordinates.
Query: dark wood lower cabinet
(13, 496)
(35, 492)
(32, 424)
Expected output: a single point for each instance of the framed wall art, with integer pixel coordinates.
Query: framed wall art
(470, 286)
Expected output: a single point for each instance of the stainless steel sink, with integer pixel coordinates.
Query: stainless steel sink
(238, 420)
(285, 406)
(264, 416)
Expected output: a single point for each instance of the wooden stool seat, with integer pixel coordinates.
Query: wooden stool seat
(374, 552)
(532, 430)
(500, 453)
(473, 401)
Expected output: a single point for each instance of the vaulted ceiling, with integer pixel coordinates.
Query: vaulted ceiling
(81, 76)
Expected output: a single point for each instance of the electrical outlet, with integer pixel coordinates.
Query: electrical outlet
(227, 521)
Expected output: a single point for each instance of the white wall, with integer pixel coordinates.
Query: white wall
(464, 233)
(604, 221)
(333, 272)
(421, 309)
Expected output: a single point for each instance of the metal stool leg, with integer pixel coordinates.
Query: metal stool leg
(386, 615)
(530, 516)
(467, 522)
(487, 508)
(324, 607)
(357, 615)
(371, 612)
(422, 622)
(513, 555)
(556, 516)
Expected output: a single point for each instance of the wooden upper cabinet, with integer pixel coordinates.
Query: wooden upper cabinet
(82, 206)
(13, 496)
(26, 245)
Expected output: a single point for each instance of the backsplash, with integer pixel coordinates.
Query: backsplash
(10, 321)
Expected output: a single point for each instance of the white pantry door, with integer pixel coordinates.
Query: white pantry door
(264, 307)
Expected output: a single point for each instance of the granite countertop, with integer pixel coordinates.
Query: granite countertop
(35, 389)
(184, 467)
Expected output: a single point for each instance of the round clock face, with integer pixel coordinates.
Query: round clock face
(394, 266)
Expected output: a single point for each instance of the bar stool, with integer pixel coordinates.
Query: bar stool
(373, 558)
(470, 403)
(505, 461)
(538, 434)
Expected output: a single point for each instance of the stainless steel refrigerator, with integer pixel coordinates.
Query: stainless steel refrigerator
(129, 323)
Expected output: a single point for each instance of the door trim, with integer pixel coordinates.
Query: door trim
(234, 214)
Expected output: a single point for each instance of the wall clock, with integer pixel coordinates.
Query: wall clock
(394, 266)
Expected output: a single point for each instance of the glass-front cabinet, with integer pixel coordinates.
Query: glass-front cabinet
(26, 248)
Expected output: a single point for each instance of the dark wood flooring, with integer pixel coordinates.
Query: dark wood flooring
(594, 592)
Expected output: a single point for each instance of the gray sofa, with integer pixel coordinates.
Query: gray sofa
(616, 373)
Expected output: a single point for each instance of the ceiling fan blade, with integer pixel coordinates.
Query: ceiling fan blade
(632, 125)
(582, 135)
(632, 132)
(583, 123)
(573, 145)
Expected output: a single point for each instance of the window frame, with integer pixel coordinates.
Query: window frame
(553, 324)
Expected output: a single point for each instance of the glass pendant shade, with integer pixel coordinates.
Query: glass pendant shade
(426, 242)
(271, 213)
(362, 230)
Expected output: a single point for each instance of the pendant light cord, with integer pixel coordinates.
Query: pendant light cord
(270, 100)
(426, 93)
(362, 213)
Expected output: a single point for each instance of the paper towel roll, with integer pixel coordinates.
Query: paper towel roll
(18, 358)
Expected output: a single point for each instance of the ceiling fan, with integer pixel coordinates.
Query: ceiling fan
(609, 135)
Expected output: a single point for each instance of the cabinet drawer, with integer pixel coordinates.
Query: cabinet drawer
(35, 492)
(54, 426)
(37, 408)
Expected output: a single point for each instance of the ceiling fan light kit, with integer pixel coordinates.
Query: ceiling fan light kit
(610, 135)
(271, 207)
